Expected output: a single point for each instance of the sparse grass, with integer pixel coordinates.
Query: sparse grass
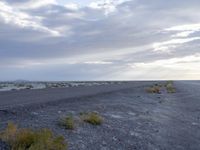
(67, 122)
(28, 139)
(169, 82)
(170, 87)
(154, 89)
(92, 118)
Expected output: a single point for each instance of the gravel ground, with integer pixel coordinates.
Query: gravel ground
(133, 119)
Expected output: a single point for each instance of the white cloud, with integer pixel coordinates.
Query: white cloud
(172, 62)
(184, 30)
(98, 62)
(33, 4)
(108, 6)
(167, 46)
(15, 17)
(72, 6)
(187, 27)
(183, 34)
(181, 68)
(180, 35)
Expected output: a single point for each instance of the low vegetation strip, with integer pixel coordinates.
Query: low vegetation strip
(28, 139)
(158, 88)
(67, 122)
(170, 87)
(153, 89)
(92, 118)
(43, 139)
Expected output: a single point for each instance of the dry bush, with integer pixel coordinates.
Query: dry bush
(92, 118)
(28, 139)
(170, 87)
(67, 122)
(153, 89)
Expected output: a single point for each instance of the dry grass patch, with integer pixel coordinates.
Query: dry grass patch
(170, 87)
(154, 89)
(67, 122)
(92, 118)
(28, 139)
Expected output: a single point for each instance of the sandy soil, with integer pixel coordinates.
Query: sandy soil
(133, 118)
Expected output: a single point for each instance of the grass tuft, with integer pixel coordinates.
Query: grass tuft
(67, 122)
(154, 89)
(28, 139)
(170, 87)
(92, 118)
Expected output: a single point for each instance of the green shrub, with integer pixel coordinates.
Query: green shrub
(92, 118)
(67, 122)
(28, 139)
(169, 82)
(170, 88)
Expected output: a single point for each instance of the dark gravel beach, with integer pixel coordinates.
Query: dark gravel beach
(133, 118)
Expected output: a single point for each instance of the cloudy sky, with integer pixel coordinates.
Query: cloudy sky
(99, 39)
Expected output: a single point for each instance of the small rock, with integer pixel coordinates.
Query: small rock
(194, 124)
(35, 113)
(114, 138)
(103, 143)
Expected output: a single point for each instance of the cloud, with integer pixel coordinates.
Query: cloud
(180, 35)
(180, 68)
(167, 46)
(187, 27)
(23, 20)
(98, 62)
(100, 40)
(108, 6)
(30, 4)
(184, 30)
(38, 3)
(72, 6)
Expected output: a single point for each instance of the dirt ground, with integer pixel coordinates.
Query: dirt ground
(133, 119)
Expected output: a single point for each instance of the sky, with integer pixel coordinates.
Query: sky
(63, 40)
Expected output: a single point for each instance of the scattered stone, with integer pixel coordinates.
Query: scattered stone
(35, 113)
(195, 124)
(103, 143)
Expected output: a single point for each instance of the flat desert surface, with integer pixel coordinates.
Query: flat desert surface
(133, 118)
